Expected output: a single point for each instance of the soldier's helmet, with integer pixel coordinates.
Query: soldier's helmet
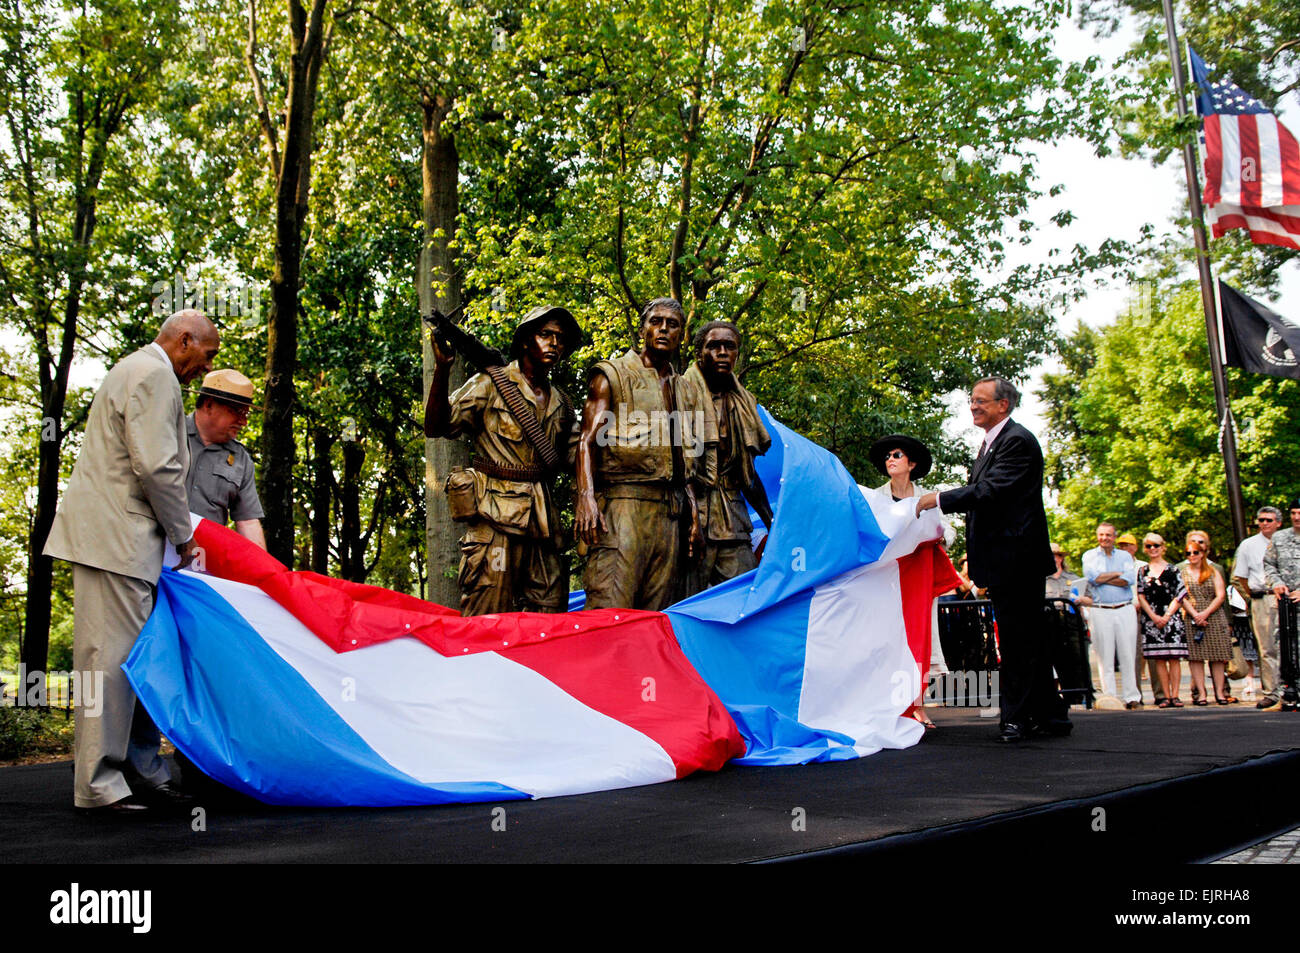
(535, 318)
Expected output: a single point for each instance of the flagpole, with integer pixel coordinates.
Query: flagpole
(1226, 427)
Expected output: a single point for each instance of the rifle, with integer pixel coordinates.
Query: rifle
(490, 361)
(452, 337)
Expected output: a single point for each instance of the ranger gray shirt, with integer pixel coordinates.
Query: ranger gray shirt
(220, 482)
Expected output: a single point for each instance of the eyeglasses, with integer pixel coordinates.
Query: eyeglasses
(981, 401)
(895, 455)
(1266, 519)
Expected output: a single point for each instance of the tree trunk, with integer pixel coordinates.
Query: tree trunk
(279, 452)
(40, 568)
(440, 286)
(321, 484)
(279, 449)
(352, 550)
(54, 396)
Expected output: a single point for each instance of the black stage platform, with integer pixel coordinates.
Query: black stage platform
(1213, 779)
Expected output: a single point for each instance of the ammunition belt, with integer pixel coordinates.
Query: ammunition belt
(527, 417)
(504, 472)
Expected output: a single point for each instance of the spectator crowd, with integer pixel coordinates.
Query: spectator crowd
(1154, 613)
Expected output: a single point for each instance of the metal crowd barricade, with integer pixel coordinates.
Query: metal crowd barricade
(1289, 649)
(966, 634)
(1067, 648)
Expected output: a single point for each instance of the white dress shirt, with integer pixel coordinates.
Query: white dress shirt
(989, 436)
(1249, 564)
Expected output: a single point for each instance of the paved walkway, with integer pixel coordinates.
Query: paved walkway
(1283, 849)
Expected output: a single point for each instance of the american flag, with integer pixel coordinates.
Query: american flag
(1252, 163)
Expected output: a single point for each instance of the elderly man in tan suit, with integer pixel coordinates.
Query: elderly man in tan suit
(126, 494)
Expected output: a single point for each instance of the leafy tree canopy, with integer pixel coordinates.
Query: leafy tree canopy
(1143, 418)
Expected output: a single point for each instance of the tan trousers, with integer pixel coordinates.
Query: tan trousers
(721, 561)
(501, 572)
(635, 565)
(1263, 619)
(119, 744)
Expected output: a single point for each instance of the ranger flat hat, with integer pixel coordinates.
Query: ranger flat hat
(539, 316)
(916, 451)
(228, 386)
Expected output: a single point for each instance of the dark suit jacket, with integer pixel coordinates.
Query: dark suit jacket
(1006, 526)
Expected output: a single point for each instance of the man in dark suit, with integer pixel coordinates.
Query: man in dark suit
(1007, 543)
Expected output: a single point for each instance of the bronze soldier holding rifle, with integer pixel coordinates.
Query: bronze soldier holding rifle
(511, 551)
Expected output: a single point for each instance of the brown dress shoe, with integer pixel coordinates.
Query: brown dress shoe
(129, 806)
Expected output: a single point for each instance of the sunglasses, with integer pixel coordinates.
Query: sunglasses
(1152, 545)
(1196, 552)
(895, 455)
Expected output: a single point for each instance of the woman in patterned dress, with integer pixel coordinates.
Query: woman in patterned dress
(1164, 643)
(1209, 637)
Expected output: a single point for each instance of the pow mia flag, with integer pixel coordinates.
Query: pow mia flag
(1257, 339)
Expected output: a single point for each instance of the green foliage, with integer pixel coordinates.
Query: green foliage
(25, 732)
(1060, 391)
(1140, 440)
(844, 181)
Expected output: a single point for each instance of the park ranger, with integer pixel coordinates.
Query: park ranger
(220, 482)
(643, 438)
(728, 479)
(511, 553)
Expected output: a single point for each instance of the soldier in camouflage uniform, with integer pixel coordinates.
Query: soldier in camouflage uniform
(511, 551)
(642, 441)
(1282, 558)
(1282, 574)
(727, 480)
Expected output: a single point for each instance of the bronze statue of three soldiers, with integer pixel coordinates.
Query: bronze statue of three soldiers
(664, 467)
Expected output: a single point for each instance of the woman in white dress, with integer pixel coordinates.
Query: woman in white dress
(904, 460)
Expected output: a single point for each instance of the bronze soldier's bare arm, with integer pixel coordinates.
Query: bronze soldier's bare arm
(588, 518)
(437, 411)
(756, 495)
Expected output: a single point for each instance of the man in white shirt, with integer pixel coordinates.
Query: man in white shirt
(1248, 578)
(1112, 574)
(1128, 542)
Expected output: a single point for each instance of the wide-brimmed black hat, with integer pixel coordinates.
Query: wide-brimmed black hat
(916, 451)
(539, 316)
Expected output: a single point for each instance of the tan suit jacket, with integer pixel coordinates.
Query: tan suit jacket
(128, 487)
